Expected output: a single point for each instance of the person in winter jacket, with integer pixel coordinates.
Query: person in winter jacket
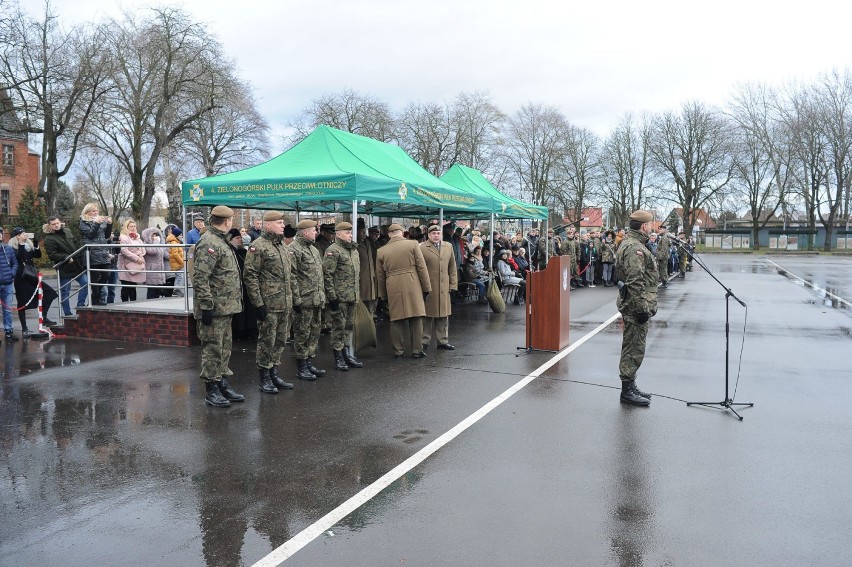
(155, 263)
(176, 261)
(8, 269)
(97, 229)
(26, 285)
(131, 261)
(60, 246)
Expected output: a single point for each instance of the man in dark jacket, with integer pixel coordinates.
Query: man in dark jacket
(60, 246)
(8, 269)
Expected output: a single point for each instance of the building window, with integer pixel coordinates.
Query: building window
(8, 156)
(5, 200)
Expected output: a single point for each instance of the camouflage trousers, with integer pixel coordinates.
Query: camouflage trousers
(683, 260)
(306, 332)
(342, 322)
(271, 338)
(215, 347)
(441, 326)
(663, 269)
(413, 327)
(632, 347)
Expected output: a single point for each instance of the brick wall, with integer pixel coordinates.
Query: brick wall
(175, 329)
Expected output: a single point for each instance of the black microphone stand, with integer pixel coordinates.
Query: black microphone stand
(728, 402)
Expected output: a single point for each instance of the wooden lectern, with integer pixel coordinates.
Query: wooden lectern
(548, 302)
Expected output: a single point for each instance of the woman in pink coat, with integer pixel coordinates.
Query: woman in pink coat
(131, 261)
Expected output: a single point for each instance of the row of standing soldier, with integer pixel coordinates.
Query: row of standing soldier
(292, 284)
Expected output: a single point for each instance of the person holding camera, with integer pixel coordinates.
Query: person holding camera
(636, 269)
(97, 229)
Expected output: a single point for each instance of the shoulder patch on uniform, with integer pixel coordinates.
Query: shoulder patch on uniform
(211, 251)
(252, 249)
(329, 253)
(639, 253)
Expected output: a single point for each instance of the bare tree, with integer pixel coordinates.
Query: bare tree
(53, 78)
(833, 99)
(428, 134)
(692, 148)
(166, 78)
(581, 166)
(105, 180)
(231, 136)
(626, 168)
(348, 111)
(761, 154)
(535, 148)
(478, 123)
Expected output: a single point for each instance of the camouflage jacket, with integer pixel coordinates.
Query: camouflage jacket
(268, 273)
(216, 280)
(570, 247)
(636, 267)
(307, 269)
(664, 245)
(342, 267)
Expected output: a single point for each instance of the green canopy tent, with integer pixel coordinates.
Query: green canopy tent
(332, 171)
(472, 181)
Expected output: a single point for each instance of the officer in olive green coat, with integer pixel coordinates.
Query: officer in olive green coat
(404, 284)
(342, 266)
(637, 273)
(268, 279)
(308, 299)
(443, 278)
(218, 295)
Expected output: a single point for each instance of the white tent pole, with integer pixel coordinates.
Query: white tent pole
(355, 220)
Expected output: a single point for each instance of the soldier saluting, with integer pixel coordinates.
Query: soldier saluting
(218, 296)
(636, 270)
(269, 282)
(341, 266)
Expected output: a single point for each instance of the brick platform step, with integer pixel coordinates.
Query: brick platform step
(145, 326)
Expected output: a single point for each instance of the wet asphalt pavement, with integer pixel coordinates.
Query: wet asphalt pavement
(109, 456)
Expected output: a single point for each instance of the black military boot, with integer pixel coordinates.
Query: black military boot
(629, 395)
(313, 369)
(640, 392)
(339, 361)
(229, 392)
(350, 359)
(266, 385)
(277, 381)
(214, 396)
(302, 370)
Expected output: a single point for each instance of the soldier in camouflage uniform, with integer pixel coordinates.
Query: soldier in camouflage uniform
(541, 247)
(308, 299)
(218, 295)
(664, 245)
(325, 238)
(341, 267)
(683, 255)
(637, 273)
(571, 247)
(269, 281)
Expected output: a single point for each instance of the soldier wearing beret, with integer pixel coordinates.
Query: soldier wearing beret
(269, 282)
(218, 296)
(636, 269)
(325, 238)
(308, 299)
(443, 278)
(341, 267)
(404, 284)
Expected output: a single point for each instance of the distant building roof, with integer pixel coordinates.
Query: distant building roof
(591, 217)
(702, 219)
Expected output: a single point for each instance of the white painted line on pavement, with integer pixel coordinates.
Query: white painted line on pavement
(313, 531)
(811, 284)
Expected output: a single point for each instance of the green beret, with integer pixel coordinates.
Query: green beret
(641, 216)
(307, 223)
(222, 211)
(394, 227)
(343, 226)
(273, 215)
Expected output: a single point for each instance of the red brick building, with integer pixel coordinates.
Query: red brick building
(19, 167)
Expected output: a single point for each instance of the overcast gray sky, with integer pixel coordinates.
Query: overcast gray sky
(595, 61)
